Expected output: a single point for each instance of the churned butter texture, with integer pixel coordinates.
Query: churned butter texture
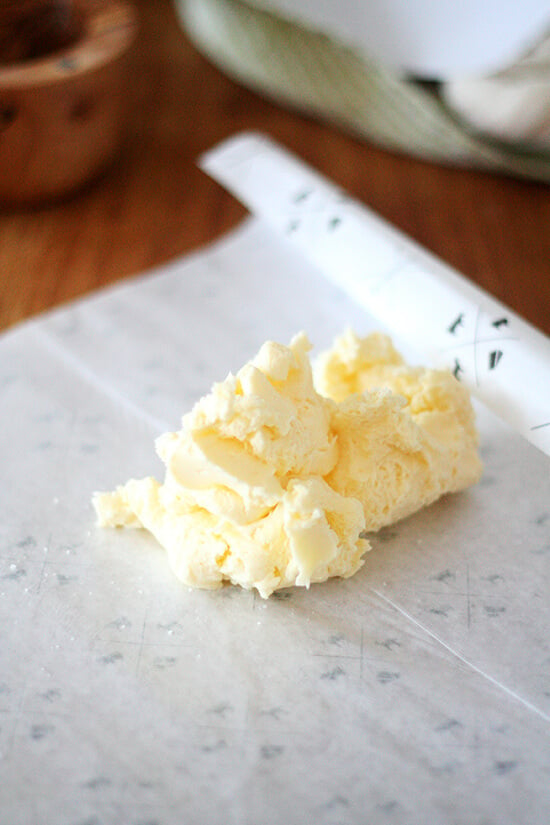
(405, 436)
(272, 481)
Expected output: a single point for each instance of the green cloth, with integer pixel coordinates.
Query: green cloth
(315, 74)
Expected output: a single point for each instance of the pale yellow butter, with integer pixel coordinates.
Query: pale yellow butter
(271, 482)
(406, 436)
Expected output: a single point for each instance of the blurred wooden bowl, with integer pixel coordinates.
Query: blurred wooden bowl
(62, 113)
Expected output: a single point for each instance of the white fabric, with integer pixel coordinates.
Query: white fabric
(511, 105)
(425, 37)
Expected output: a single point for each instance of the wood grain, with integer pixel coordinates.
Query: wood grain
(153, 204)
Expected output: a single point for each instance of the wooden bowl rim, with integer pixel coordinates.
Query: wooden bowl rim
(101, 42)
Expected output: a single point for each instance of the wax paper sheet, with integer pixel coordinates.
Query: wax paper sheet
(416, 691)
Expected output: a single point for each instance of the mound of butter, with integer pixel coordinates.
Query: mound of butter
(273, 480)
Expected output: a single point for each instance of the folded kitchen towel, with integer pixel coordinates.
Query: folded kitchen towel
(499, 122)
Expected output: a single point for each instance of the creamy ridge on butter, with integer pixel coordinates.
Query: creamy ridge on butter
(278, 473)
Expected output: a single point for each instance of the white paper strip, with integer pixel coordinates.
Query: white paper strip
(449, 321)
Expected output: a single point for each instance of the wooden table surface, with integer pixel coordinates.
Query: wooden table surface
(154, 205)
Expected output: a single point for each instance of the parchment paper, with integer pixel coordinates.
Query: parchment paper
(415, 692)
